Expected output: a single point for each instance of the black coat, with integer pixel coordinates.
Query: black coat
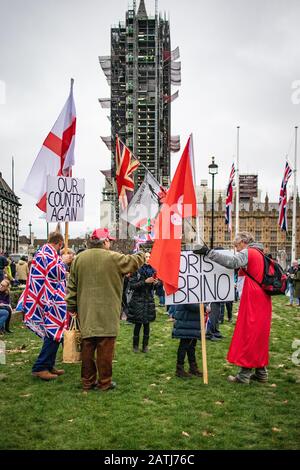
(187, 322)
(141, 308)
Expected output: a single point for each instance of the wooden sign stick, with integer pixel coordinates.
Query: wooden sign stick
(203, 344)
(66, 238)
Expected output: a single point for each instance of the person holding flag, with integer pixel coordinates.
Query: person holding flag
(43, 304)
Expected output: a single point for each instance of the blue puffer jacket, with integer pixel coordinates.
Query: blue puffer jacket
(187, 322)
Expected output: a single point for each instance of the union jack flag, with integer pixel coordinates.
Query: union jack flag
(126, 164)
(43, 300)
(143, 238)
(229, 199)
(282, 219)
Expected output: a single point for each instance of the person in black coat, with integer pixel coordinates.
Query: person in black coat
(3, 264)
(187, 329)
(141, 308)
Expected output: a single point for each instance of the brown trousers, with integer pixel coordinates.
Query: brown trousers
(104, 348)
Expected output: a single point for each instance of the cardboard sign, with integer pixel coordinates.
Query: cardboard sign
(202, 281)
(65, 199)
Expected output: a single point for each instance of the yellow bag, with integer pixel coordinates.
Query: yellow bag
(72, 343)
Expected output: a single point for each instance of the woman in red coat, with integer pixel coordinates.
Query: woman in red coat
(250, 343)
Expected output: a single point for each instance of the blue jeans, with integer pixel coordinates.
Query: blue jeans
(3, 317)
(162, 300)
(47, 356)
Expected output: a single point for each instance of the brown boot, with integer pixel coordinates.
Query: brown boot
(57, 371)
(44, 375)
(180, 372)
(194, 370)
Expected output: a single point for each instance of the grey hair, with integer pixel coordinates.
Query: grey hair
(245, 237)
(93, 243)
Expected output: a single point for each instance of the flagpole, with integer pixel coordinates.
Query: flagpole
(69, 174)
(294, 251)
(237, 184)
(66, 238)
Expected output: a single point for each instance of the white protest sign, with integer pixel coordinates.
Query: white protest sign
(201, 280)
(65, 199)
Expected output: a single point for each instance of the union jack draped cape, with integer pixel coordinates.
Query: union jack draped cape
(282, 218)
(43, 300)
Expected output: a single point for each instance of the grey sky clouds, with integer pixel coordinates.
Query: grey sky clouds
(239, 60)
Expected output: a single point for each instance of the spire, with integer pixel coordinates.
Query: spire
(267, 203)
(142, 10)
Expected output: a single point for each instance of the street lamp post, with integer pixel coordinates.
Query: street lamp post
(30, 225)
(213, 170)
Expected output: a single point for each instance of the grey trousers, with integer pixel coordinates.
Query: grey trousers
(260, 374)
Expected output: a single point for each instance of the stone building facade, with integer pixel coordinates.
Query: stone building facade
(259, 218)
(9, 218)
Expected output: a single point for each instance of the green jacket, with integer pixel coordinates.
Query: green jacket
(95, 288)
(296, 282)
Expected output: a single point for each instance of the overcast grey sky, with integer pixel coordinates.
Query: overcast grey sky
(239, 58)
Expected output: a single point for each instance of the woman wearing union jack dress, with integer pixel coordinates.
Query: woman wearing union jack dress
(44, 306)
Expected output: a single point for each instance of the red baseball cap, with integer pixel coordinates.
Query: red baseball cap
(101, 234)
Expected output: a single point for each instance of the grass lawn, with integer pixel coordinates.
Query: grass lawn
(151, 408)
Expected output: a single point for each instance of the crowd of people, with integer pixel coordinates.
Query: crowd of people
(100, 286)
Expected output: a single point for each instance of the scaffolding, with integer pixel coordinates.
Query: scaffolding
(141, 71)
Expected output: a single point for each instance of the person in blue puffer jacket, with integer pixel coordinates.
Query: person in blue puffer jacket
(187, 329)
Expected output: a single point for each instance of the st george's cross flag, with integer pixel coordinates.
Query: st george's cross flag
(229, 199)
(282, 218)
(180, 202)
(56, 156)
(126, 165)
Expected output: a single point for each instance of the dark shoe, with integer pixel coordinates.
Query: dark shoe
(44, 375)
(111, 386)
(57, 371)
(145, 344)
(136, 340)
(258, 379)
(213, 338)
(180, 372)
(218, 335)
(194, 370)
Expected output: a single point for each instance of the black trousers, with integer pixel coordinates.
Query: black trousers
(186, 346)
(214, 318)
(137, 329)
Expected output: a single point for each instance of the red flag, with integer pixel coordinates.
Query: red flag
(126, 165)
(180, 202)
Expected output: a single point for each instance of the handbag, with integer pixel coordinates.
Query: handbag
(72, 343)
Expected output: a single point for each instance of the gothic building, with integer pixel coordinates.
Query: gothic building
(261, 219)
(9, 218)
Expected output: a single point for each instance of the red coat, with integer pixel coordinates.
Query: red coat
(250, 343)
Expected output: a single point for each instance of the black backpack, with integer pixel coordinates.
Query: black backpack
(274, 279)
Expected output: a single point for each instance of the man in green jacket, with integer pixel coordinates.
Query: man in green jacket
(95, 289)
